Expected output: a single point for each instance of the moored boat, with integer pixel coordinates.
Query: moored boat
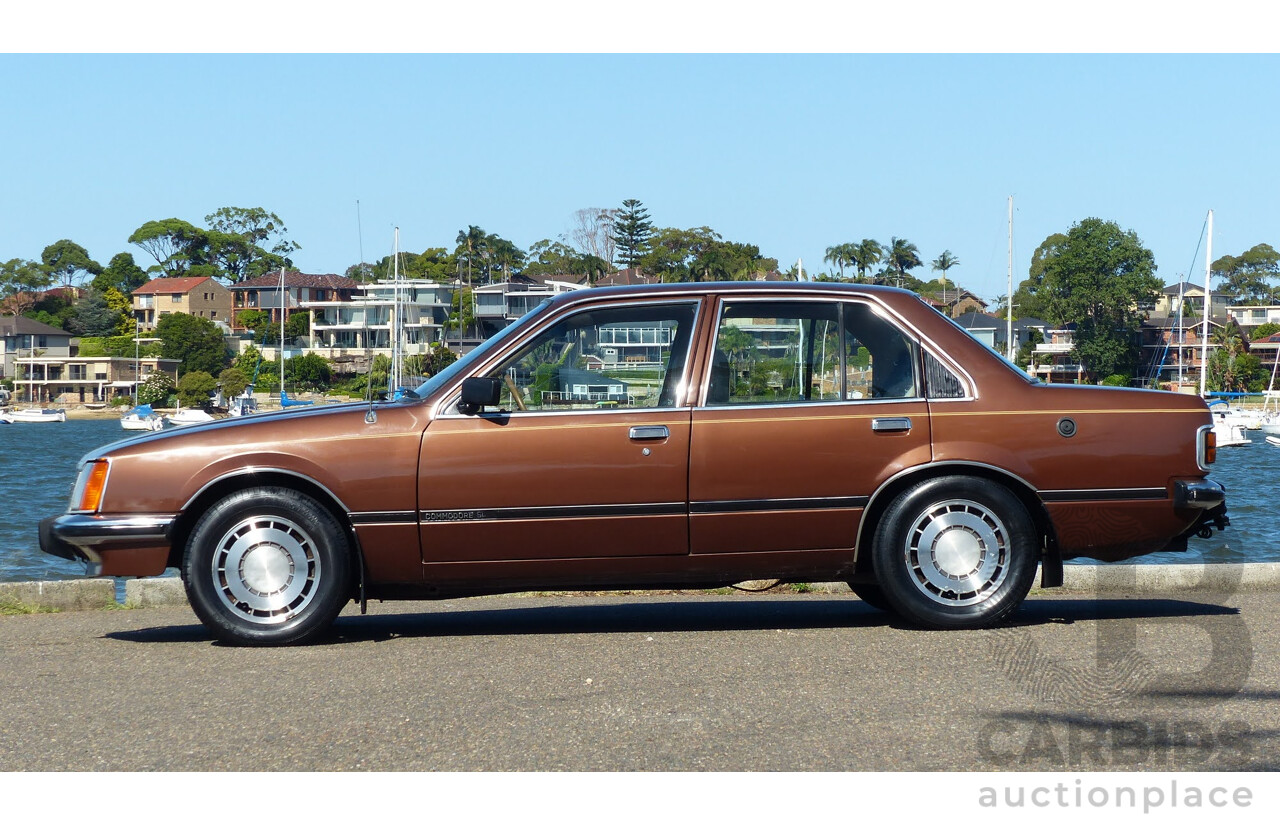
(142, 417)
(189, 416)
(34, 415)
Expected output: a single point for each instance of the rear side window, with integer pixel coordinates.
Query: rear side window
(783, 352)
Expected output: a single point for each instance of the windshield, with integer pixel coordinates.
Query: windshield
(447, 374)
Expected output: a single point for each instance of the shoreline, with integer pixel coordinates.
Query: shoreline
(1114, 580)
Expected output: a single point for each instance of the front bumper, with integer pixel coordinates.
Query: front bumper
(109, 545)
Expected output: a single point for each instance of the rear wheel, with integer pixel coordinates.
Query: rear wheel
(267, 566)
(955, 553)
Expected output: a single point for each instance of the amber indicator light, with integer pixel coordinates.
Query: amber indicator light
(91, 498)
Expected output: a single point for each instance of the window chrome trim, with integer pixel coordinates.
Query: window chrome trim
(447, 406)
(875, 305)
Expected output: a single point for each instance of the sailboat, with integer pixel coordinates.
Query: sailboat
(285, 400)
(1228, 431)
(139, 416)
(1271, 415)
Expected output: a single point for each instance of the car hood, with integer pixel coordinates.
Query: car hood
(243, 421)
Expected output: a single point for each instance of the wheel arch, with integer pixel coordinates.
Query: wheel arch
(1050, 556)
(249, 478)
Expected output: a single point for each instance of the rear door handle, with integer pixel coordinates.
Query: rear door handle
(901, 424)
(653, 433)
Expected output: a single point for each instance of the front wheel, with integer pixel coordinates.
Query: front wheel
(955, 553)
(267, 566)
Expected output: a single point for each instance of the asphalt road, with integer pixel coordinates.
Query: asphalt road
(654, 682)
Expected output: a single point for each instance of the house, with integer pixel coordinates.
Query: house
(264, 293)
(994, 331)
(1191, 296)
(72, 379)
(20, 335)
(628, 277)
(955, 302)
(1054, 361)
(202, 297)
(497, 305)
(359, 325)
(1171, 349)
(1250, 318)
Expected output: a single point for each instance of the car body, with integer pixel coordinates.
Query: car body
(690, 435)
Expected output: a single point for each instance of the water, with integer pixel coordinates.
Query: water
(38, 466)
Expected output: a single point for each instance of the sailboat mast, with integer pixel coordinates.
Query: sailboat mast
(393, 380)
(282, 331)
(1204, 324)
(1008, 315)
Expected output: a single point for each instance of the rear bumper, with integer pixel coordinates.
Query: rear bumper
(109, 545)
(1199, 495)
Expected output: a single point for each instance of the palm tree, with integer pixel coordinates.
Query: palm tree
(840, 254)
(942, 263)
(902, 255)
(866, 255)
(473, 238)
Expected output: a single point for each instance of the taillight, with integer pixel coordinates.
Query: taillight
(1206, 447)
(90, 486)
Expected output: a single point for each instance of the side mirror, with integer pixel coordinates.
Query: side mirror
(478, 393)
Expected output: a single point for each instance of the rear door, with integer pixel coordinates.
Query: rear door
(809, 406)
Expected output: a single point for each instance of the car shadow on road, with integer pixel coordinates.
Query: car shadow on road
(646, 614)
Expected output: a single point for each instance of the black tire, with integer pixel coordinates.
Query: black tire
(871, 594)
(955, 552)
(267, 566)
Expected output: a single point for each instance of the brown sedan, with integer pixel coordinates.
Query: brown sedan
(690, 435)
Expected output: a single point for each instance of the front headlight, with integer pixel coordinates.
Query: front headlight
(86, 496)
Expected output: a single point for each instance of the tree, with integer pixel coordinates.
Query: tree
(470, 243)
(942, 263)
(94, 316)
(1264, 331)
(65, 259)
(840, 255)
(502, 254)
(298, 326)
(592, 232)
(233, 381)
(1231, 368)
(632, 230)
(1246, 277)
(156, 389)
(195, 341)
(19, 282)
(175, 244)
(865, 255)
(671, 253)
(901, 256)
(1096, 277)
(122, 274)
(249, 242)
(308, 372)
(195, 387)
(120, 302)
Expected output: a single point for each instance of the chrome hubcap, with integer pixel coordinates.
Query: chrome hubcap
(957, 552)
(266, 569)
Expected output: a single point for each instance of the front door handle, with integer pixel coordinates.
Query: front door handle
(900, 424)
(653, 433)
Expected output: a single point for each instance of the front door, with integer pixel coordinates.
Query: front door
(586, 455)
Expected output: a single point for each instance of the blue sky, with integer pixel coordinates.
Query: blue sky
(792, 152)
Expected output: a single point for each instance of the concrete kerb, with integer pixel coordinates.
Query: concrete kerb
(94, 594)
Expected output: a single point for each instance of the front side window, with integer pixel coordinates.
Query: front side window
(629, 357)
(783, 352)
